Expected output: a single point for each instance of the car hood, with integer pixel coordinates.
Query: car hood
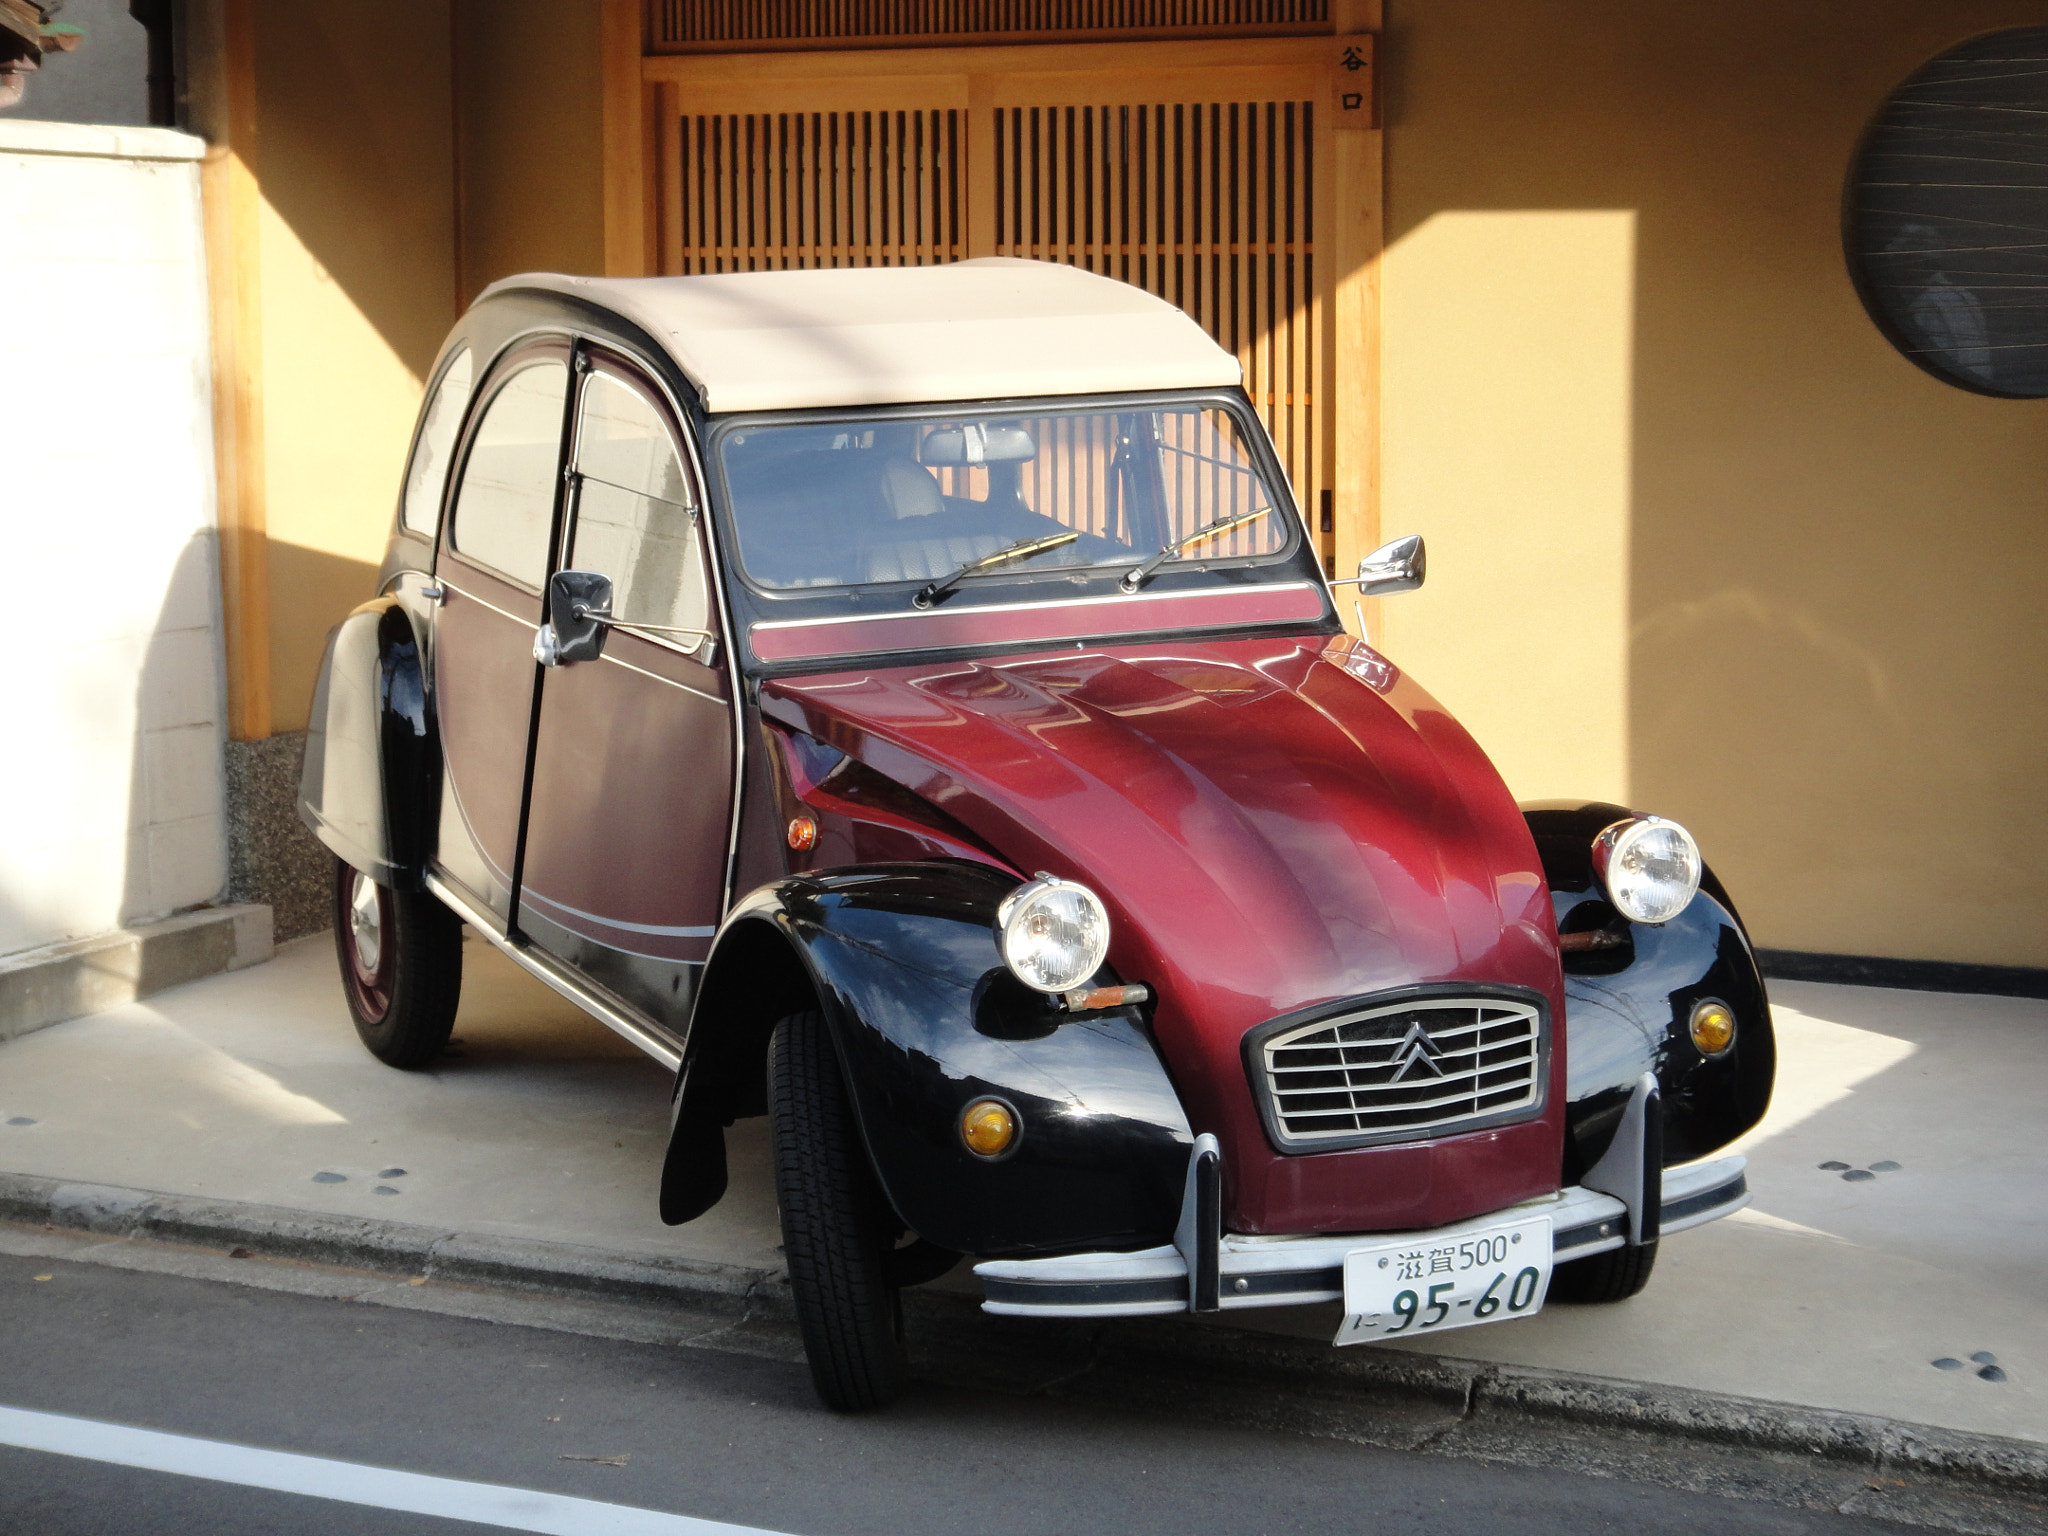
(1271, 823)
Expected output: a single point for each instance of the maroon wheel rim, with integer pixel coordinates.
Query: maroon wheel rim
(369, 947)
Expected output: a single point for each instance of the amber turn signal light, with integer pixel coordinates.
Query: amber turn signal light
(1713, 1026)
(803, 834)
(989, 1127)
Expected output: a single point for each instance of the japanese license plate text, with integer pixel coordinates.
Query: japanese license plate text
(1433, 1282)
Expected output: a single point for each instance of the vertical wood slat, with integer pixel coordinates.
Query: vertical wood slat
(669, 246)
(628, 134)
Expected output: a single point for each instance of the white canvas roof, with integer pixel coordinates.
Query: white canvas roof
(972, 330)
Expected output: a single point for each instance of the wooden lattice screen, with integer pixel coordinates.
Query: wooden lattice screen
(680, 26)
(767, 190)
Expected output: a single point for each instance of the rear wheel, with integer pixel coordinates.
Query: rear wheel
(838, 1232)
(401, 967)
(1614, 1275)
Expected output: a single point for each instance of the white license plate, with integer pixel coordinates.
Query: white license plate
(1403, 1288)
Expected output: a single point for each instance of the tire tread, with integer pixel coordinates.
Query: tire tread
(1606, 1277)
(834, 1223)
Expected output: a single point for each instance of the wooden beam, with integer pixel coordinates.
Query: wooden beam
(866, 42)
(458, 157)
(627, 127)
(1357, 234)
(980, 169)
(1351, 16)
(222, 49)
(1200, 54)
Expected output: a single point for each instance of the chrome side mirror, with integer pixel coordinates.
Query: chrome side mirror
(1398, 566)
(579, 602)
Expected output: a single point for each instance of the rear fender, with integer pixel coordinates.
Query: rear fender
(902, 961)
(1628, 1007)
(372, 770)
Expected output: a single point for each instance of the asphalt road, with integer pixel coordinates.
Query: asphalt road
(700, 1433)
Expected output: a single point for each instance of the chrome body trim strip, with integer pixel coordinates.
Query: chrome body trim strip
(484, 602)
(1118, 598)
(558, 978)
(699, 692)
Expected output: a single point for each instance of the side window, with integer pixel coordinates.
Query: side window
(428, 473)
(507, 500)
(636, 520)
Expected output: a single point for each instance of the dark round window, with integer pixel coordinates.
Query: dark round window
(1947, 216)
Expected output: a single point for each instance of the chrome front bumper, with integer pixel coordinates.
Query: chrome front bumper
(1292, 1271)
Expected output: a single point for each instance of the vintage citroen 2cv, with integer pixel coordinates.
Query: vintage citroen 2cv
(906, 702)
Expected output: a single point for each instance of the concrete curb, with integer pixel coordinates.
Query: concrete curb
(63, 981)
(1243, 1375)
(390, 1247)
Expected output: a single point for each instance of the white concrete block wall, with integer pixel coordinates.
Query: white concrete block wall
(111, 693)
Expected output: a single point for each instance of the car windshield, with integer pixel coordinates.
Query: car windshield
(857, 503)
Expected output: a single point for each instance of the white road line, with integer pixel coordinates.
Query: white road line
(518, 1509)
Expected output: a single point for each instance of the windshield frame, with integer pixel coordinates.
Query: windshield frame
(1091, 580)
(1292, 578)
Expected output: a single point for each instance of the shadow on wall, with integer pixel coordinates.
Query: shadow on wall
(176, 853)
(356, 154)
(311, 591)
(418, 175)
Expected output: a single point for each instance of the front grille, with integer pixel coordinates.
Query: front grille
(1403, 1070)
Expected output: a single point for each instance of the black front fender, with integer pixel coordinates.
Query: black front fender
(902, 961)
(372, 760)
(1628, 1007)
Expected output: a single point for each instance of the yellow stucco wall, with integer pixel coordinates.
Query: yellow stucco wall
(532, 139)
(1701, 539)
(356, 249)
(366, 253)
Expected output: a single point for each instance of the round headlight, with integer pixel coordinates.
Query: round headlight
(1650, 866)
(1054, 933)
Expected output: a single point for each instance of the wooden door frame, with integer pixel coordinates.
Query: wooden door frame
(1350, 192)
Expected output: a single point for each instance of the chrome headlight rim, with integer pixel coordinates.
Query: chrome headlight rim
(1016, 909)
(1612, 847)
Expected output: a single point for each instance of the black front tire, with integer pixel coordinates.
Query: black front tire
(1614, 1275)
(837, 1228)
(401, 967)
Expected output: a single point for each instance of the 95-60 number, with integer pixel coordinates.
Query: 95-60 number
(1415, 1310)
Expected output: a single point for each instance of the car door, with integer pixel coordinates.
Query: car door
(630, 817)
(492, 566)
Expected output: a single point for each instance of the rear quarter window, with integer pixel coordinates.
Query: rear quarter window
(427, 475)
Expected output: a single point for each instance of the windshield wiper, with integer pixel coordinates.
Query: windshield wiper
(1135, 577)
(931, 591)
